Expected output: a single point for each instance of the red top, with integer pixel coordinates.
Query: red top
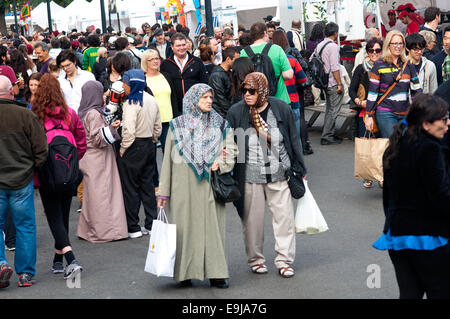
(413, 27)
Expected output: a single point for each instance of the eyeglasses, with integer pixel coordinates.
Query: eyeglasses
(374, 51)
(153, 59)
(417, 49)
(250, 91)
(445, 119)
(396, 44)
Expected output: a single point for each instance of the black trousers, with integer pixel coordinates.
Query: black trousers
(136, 169)
(57, 211)
(422, 272)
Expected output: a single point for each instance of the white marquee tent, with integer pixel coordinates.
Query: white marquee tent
(39, 14)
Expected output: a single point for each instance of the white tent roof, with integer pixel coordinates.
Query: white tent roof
(39, 14)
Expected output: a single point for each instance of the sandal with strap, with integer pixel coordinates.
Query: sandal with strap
(259, 269)
(286, 272)
(368, 184)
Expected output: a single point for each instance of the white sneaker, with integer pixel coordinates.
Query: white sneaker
(137, 234)
(145, 231)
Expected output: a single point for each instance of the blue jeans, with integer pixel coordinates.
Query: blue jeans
(21, 204)
(386, 121)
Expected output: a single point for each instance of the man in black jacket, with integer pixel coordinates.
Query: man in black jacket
(184, 68)
(220, 81)
(439, 58)
(23, 147)
(432, 18)
(161, 44)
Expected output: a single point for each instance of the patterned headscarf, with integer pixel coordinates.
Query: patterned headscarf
(198, 136)
(135, 79)
(258, 82)
(91, 98)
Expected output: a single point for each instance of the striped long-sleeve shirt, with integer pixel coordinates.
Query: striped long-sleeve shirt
(382, 77)
(298, 78)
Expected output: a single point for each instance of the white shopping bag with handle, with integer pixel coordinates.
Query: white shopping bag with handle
(162, 247)
(308, 217)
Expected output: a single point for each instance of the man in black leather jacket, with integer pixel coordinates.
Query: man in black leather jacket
(220, 81)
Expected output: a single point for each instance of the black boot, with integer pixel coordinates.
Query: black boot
(219, 283)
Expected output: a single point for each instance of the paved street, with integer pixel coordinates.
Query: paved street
(332, 265)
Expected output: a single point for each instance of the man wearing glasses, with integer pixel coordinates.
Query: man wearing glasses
(425, 69)
(72, 79)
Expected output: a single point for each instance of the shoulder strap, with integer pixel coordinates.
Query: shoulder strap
(249, 52)
(393, 84)
(299, 39)
(266, 49)
(321, 50)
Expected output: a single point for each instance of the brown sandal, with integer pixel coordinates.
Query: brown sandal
(286, 272)
(259, 269)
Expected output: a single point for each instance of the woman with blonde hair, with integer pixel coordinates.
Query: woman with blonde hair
(160, 85)
(392, 81)
(99, 68)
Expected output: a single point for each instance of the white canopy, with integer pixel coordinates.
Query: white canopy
(39, 14)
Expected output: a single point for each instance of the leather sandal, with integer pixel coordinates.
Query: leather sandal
(286, 272)
(259, 269)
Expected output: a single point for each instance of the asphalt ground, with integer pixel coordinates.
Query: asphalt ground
(338, 264)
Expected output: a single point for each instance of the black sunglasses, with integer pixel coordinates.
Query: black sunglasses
(251, 91)
(374, 50)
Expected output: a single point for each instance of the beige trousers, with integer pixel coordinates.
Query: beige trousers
(279, 200)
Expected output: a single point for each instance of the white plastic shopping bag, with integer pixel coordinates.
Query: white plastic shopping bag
(308, 217)
(162, 247)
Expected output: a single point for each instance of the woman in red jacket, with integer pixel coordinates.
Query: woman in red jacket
(51, 108)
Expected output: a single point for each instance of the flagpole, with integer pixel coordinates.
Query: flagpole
(208, 17)
(15, 17)
(49, 15)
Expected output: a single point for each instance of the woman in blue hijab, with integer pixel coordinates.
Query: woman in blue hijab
(141, 128)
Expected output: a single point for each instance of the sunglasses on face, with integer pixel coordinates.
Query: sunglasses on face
(374, 51)
(250, 91)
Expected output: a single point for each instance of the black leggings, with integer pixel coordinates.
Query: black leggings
(422, 272)
(57, 210)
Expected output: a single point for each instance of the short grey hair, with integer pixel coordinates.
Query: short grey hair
(371, 33)
(428, 35)
(42, 45)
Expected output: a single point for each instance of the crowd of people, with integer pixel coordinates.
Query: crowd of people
(211, 104)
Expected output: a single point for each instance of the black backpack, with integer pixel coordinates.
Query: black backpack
(317, 71)
(263, 64)
(61, 172)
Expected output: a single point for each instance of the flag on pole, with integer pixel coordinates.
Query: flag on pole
(197, 30)
(25, 12)
(215, 22)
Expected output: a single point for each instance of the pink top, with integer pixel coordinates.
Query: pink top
(78, 136)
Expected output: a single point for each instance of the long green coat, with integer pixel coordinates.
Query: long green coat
(200, 220)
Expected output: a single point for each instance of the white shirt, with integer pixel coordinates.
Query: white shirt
(162, 49)
(181, 64)
(72, 93)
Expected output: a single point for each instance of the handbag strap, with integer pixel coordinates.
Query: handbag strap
(393, 84)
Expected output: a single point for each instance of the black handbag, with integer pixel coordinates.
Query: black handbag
(225, 188)
(295, 182)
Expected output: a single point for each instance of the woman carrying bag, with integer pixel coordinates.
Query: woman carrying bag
(50, 107)
(393, 78)
(197, 145)
(359, 88)
(416, 200)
